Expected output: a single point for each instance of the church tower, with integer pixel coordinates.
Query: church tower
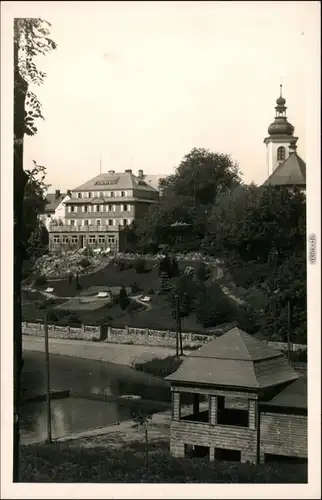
(280, 138)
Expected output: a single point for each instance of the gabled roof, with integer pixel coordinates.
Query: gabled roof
(115, 181)
(291, 172)
(236, 359)
(53, 201)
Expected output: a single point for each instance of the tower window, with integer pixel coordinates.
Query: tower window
(281, 153)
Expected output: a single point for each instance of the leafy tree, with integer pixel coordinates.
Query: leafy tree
(261, 234)
(31, 39)
(214, 307)
(201, 176)
(187, 198)
(141, 420)
(250, 222)
(34, 233)
(187, 289)
(124, 301)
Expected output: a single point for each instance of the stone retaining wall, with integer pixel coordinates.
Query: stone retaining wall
(128, 335)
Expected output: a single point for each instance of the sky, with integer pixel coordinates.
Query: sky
(139, 84)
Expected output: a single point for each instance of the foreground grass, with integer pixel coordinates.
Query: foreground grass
(72, 463)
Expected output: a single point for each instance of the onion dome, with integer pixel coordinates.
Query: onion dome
(280, 101)
(281, 126)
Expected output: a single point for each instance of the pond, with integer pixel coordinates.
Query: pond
(101, 393)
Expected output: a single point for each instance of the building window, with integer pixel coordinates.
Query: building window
(89, 194)
(56, 239)
(110, 208)
(125, 208)
(85, 208)
(101, 194)
(85, 222)
(101, 239)
(74, 240)
(79, 195)
(72, 208)
(97, 208)
(98, 222)
(281, 153)
(124, 222)
(72, 222)
(91, 239)
(111, 239)
(110, 222)
(65, 239)
(112, 194)
(123, 194)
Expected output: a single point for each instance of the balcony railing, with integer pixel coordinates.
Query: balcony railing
(83, 229)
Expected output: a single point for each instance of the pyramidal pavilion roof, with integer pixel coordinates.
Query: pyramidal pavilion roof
(236, 359)
(291, 172)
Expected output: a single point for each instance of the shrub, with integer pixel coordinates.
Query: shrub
(140, 265)
(202, 272)
(66, 463)
(26, 269)
(159, 367)
(124, 301)
(165, 266)
(174, 268)
(52, 317)
(123, 265)
(73, 318)
(85, 262)
(40, 280)
(151, 291)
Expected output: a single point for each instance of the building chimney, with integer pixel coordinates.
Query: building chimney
(57, 194)
(111, 171)
(69, 192)
(128, 171)
(140, 174)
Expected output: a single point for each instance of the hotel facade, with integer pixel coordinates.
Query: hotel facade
(98, 211)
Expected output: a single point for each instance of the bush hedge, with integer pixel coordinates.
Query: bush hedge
(70, 463)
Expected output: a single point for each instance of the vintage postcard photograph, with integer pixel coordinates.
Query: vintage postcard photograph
(160, 249)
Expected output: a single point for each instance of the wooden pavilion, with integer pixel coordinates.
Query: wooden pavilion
(233, 382)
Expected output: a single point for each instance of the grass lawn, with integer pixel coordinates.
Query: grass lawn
(158, 317)
(111, 276)
(73, 463)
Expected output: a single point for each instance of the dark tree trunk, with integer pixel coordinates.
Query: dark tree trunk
(146, 449)
(20, 179)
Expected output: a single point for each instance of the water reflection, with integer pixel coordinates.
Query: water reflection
(89, 381)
